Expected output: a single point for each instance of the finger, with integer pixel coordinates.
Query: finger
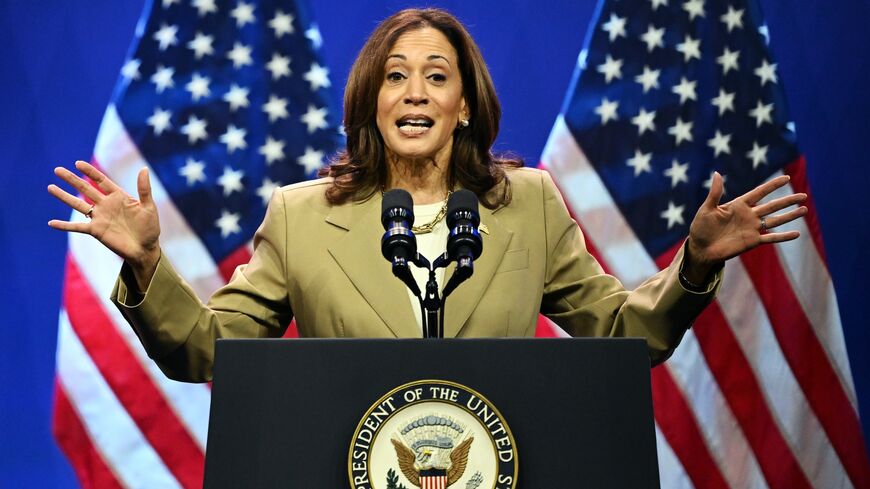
(717, 188)
(780, 219)
(69, 199)
(98, 177)
(75, 227)
(143, 183)
(779, 237)
(82, 186)
(758, 193)
(779, 204)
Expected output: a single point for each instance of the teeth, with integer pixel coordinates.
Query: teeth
(415, 122)
(409, 129)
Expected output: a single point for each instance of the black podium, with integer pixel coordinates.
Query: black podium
(284, 412)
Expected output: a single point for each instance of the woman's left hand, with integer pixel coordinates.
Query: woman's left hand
(722, 231)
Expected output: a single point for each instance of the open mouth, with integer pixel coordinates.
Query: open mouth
(414, 124)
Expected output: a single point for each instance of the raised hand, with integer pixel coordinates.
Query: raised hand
(125, 225)
(722, 231)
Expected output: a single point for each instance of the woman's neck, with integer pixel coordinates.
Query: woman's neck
(425, 180)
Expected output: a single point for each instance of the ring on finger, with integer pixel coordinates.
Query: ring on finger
(763, 223)
(90, 213)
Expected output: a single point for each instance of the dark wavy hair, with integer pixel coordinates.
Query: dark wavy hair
(361, 170)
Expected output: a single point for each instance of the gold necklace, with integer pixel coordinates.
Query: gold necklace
(428, 227)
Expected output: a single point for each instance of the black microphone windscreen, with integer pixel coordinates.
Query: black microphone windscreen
(397, 198)
(397, 203)
(462, 200)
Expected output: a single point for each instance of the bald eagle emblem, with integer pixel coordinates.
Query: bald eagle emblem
(432, 451)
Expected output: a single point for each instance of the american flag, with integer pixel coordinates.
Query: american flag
(223, 101)
(759, 393)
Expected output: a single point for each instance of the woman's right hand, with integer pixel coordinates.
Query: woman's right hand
(127, 226)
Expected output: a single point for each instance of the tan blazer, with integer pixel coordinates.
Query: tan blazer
(322, 265)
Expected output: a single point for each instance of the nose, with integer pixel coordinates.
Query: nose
(415, 91)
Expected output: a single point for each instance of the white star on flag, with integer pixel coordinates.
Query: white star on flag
(234, 138)
(724, 101)
(198, 86)
(243, 13)
(607, 110)
(673, 214)
(686, 90)
(732, 19)
(681, 131)
(695, 8)
(315, 118)
(312, 160)
(691, 48)
(615, 27)
(611, 68)
(201, 45)
(648, 79)
(266, 190)
(653, 37)
(282, 24)
(228, 223)
(204, 7)
(678, 172)
(193, 171)
(273, 150)
(276, 107)
(758, 155)
(767, 72)
(728, 60)
(194, 129)
(640, 162)
(231, 180)
(240, 55)
(658, 3)
(160, 120)
(317, 76)
(166, 36)
(279, 66)
(762, 113)
(645, 121)
(720, 143)
(237, 97)
(162, 78)
(130, 71)
(313, 35)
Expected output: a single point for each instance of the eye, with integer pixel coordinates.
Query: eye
(395, 76)
(438, 77)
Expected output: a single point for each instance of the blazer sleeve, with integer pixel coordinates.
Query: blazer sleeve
(179, 332)
(583, 300)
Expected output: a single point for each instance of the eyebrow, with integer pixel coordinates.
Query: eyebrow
(431, 57)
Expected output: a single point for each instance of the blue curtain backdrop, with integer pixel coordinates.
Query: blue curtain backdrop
(61, 59)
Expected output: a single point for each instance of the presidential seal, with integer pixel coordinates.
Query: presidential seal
(432, 434)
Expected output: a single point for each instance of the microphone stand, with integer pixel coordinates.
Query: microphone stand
(431, 303)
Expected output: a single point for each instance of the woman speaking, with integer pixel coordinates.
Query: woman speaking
(421, 114)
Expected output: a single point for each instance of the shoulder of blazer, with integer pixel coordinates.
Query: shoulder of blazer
(310, 194)
(527, 185)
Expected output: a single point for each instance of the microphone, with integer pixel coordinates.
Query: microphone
(463, 244)
(398, 245)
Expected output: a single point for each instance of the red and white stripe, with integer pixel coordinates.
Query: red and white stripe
(759, 393)
(120, 421)
(439, 482)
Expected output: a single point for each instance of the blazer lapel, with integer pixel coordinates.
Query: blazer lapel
(465, 298)
(359, 256)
